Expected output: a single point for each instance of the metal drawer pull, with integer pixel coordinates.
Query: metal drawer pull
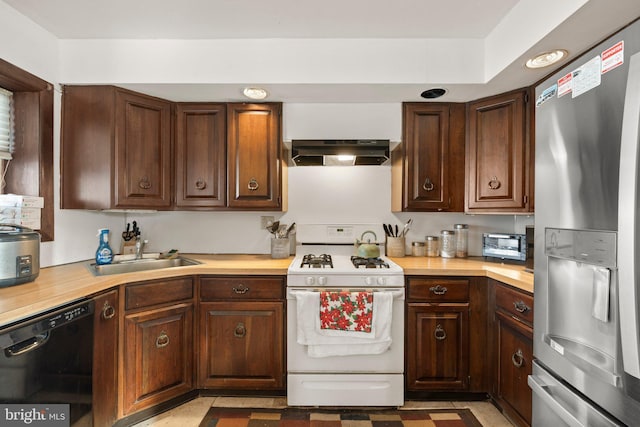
(495, 183)
(521, 307)
(162, 340)
(440, 333)
(428, 185)
(241, 289)
(201, 184)
(438, 290)
(517, 358)
(240, 331)
(144, 183)
(253, 184)
(108, 311)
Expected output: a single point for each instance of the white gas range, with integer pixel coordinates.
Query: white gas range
(356, 369)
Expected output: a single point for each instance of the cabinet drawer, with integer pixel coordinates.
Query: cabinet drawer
(516, 303)
(438, 290)
(234, 287)
(158, 292)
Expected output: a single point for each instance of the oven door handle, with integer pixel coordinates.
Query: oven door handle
(396, 293)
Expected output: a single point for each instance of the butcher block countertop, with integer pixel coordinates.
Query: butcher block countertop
(62, 284)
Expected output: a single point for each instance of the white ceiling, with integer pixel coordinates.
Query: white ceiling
(507, 30)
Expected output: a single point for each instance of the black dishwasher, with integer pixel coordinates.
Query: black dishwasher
(48, 359)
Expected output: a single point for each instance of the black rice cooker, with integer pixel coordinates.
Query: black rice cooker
(19, 255)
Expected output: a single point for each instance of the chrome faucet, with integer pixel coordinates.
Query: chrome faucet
(140, 246)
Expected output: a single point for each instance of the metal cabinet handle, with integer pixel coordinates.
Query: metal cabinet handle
(521, 307)
(108, 311)
(517, 359)
(240, 331)
(144, 183)
(201, 184)
(253, 184)
(162, 340)
(438, 290)
(495, 183)
(241, 289)
(428, 185)
(37, 341)
(440, 333)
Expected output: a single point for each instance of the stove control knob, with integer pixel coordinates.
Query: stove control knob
(322, 280)
(368, 281)
(381, 281)
(310, 280)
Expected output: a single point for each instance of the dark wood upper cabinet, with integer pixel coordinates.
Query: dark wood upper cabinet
(499, 155)
(254, 158)
(428, 167)
(200, 160)
(115, 149)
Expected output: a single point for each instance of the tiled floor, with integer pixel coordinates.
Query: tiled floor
(190, 414)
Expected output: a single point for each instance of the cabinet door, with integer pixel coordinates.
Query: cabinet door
(254, 156)
(158, 356)
(242, 345)
(105, 360)
(497, 155)
(200, 155)
(142, 151)
(515, 354)
(437, 346)
(433, 157)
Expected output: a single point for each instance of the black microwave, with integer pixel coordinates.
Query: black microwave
(505, 246)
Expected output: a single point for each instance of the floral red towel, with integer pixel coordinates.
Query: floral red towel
(346, 311)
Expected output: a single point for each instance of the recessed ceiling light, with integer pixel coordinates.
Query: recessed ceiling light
(546, 58)
(255, 93)
(433, 93)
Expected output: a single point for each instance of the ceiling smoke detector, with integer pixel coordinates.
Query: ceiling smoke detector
(255, 93)
(545, 59)
(433, 93)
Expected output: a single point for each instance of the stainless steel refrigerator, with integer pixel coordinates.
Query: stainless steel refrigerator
(586, 368)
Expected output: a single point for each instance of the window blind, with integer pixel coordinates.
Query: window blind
(6, 124)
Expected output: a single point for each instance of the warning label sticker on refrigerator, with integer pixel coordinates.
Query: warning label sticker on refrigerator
(613, 57)
(586, 77)
(564, 84)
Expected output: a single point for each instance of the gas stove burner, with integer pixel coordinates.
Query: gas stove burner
(359, 262)
(316, 261)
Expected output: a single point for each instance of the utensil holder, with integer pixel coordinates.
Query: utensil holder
(395, 246)
(280, 248)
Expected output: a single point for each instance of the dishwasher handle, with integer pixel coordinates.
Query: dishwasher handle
(28, 345)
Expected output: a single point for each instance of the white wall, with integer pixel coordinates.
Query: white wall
(357, 194)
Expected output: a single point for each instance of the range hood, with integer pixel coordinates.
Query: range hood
(339, 152)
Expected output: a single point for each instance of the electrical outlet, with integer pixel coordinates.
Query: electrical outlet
(266, 221)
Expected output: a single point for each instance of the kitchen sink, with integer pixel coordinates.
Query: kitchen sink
(130, 266)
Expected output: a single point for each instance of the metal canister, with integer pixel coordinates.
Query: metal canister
(433, 246)
(447, 244)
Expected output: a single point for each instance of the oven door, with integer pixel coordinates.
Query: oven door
(357, 380)
(391, 361)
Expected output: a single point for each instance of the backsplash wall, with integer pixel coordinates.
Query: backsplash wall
(332, 194)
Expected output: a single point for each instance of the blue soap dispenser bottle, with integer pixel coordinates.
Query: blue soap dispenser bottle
(104, 254)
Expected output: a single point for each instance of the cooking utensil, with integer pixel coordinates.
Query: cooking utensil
(368, 250)
(406, 228)
(273, 228)
(289, 229)
(397, 232)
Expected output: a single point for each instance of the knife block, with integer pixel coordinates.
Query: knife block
(128, 247)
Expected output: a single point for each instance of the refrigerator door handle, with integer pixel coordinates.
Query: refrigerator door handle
(628, 238)
(591, 417)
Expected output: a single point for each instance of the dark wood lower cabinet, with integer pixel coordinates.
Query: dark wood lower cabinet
(242, 345)
(105, 359)
(513, 330)
(438, 337)
(157, 356)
